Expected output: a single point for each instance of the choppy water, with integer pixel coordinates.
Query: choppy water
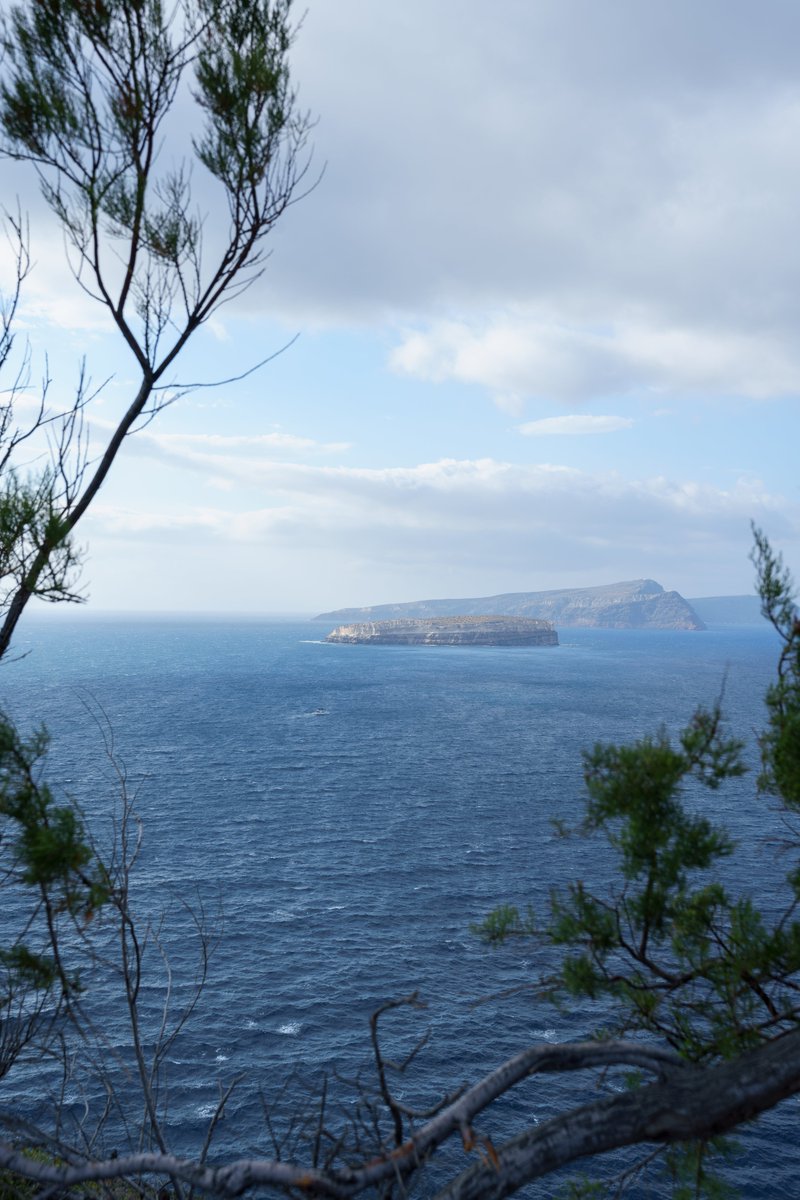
(353, 809)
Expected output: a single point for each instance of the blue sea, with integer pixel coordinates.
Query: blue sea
(341, 814)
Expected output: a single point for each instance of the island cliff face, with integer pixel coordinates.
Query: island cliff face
(449, 631)
(638, 604)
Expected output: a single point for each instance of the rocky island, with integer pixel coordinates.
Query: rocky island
(636, 604)
(449, 631)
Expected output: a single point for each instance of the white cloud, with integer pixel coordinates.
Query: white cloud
(224, 459)
(270, 442)
(588, 141)
(574, 425)
(529, 357)
(482, 525)
(628, 185)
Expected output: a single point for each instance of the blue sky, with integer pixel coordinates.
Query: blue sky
(546, 294)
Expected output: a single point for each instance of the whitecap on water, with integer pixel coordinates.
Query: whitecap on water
(206, 1111)
(281, 915)
(290, 1028)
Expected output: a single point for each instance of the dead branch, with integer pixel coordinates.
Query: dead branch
(685, 1103)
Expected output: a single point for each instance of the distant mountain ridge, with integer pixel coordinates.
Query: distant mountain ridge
(636, 604)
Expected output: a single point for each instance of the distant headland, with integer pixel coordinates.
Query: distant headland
(638, 604)
(449, 631)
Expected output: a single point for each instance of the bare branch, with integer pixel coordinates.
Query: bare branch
(411, 1001)
(687, 1103)
(84, 96)
(694, 1104)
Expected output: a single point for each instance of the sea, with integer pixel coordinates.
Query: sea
(334, 819)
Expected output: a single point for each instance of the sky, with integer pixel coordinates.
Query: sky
(545, 297)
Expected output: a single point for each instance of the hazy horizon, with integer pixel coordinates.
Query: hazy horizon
(44, 611)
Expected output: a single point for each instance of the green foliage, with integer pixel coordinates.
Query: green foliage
(29, 520)
(243, 85)
(581, 1189)
(780, 744)
(87, 90)
(24, 968)
(18, 1187)
(688, 1167)
(676, 954)
(672, 953)
(503, 922)
(46, 851)
(86, 94)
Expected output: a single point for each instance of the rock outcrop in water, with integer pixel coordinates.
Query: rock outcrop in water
(640, 604)
(449, 631)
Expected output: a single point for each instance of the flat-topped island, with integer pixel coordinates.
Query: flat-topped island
(449, 631)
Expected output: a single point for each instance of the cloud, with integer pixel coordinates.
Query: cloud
(587, 142)
(224, 459)
(270, 442)
(527, 356)
(628, 184)
(485, 525)
(574, 426)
